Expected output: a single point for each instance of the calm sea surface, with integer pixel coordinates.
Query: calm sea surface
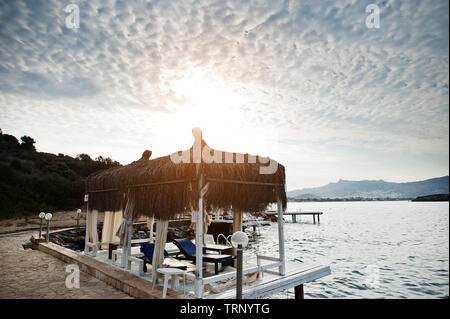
(375, 249)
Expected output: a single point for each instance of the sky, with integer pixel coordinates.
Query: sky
(306, 83)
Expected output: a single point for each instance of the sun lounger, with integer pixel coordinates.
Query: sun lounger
(148, 249)
(188, 249)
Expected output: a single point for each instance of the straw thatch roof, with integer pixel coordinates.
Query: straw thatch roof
(162, 188)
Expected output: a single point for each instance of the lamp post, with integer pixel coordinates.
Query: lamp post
(78, 217)
(48, 217)
(239, 240)
(41, 216)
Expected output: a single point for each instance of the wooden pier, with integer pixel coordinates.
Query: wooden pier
(297, 274)
(295, 214)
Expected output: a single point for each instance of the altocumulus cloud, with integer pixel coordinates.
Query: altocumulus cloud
(311, 68)
(41, 86)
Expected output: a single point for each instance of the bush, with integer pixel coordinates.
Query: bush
(16, 164)
(52, 182)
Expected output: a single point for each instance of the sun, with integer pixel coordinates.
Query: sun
(220, 109)
(210, 103)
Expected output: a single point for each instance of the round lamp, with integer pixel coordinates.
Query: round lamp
(239, 238)
(41, 215)
(48, 216)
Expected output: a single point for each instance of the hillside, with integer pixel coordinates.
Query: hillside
(374, 189)
(432, 198)
(32, 181)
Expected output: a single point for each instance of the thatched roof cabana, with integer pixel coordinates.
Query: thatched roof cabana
(168, 186)
(196, 179)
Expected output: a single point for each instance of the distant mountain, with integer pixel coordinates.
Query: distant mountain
(374, 189)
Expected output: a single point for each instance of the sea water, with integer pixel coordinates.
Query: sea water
(376, 249)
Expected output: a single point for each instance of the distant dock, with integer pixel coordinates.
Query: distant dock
(295, 214)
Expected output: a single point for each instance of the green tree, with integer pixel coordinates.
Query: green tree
(28, 143)
(84, 157)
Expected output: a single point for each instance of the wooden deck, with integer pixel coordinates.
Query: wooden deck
(296, 274)
(244, 223)
(295, 214)
(126, 281)
(138, 286)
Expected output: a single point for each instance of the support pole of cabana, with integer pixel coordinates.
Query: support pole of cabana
(160, 243)
(86, 235)
(152, 240)
(127, 224)
(282, 268)
(199, 250)
(91, 232)
(127, 249)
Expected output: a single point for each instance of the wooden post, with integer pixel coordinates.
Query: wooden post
(299, 293)
(314, 218)
(237, 221)
(199, 250)
(239, 272)
(318, 218)
(294, 218)
(236, 226)
(282, 268)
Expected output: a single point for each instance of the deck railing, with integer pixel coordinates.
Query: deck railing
(259, 268)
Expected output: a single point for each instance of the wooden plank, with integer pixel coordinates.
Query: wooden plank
(216, 247)
(140, 241)
(267, 258)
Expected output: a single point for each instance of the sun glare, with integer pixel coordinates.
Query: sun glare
(209, 103)
(219, 109)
